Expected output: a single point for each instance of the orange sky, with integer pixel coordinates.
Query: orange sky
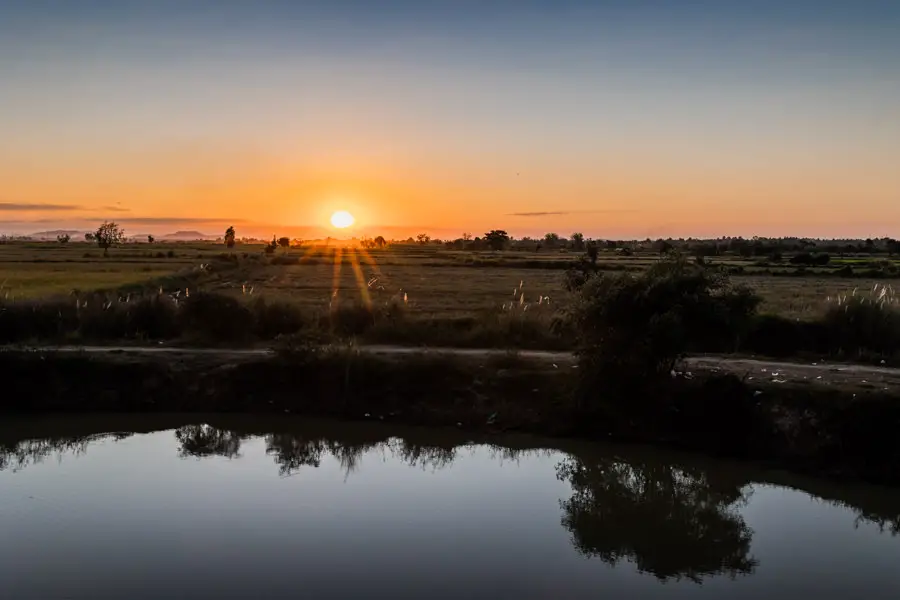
(765, 123)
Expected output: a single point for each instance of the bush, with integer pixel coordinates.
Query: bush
(37, 320)
(634, 328)
(272, 319)
(216, 317)
(350, 319)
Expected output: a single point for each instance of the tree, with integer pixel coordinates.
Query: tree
(467, 237)
(497, 239)
(284, 242)
(229, 237)
(271, 246)
(380, 242)
(63, 238)
(634, 328)
(423, 239)
(577, 241)
(108, 235)
(150, 239)
(89, 237)
(551, 240)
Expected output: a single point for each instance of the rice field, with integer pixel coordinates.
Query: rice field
(430, 280)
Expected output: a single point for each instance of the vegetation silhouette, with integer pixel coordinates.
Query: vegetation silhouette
(205, 440)
(109, 234)
(230, 237)
(670, 521)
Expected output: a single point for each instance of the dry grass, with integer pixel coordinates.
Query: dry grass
(804, 298)
(438, 283)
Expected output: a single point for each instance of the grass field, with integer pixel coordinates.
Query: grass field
(433, 281)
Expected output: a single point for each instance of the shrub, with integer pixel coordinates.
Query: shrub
(216, 317)
(350, 319)
(774, 335)
(634, 328)
(30, 320)
(272, 319)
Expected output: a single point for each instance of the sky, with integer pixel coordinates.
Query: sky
(624, 119)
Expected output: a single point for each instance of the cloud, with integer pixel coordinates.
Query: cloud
(547, 213)
(51, 207)
(178, 220)
(25, 206)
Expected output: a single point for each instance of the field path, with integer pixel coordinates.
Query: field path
(844, 375)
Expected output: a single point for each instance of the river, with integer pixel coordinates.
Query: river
(251, 507)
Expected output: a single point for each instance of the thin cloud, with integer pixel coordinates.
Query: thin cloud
(115, 209)
(177, 220)
(26, 206)
(547, 213)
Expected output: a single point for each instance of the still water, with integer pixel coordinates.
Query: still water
(231, 507)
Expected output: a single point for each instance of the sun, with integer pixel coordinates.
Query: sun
(342, 219)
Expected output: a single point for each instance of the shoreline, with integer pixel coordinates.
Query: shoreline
(804, 428)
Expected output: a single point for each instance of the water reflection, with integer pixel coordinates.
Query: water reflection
(670, 521)
(17, 454)
(671, 517)
(206, 440)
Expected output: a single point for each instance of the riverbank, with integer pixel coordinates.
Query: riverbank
(829, 430)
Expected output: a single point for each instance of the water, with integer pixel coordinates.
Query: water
(231, 507)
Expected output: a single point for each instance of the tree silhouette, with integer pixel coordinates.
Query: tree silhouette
(577, 241)
(285, 243)
(108, 235)
(380, 242)
(669, 521)
(63, 238)
(150, 239)
(423, 239)
(229, 237)
(497, 239)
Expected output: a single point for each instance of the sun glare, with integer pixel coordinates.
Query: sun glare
(342, 219)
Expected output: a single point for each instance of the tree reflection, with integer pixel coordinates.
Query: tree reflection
(23, 453)
(292, 452)
(670, 522)
(424, 456)
(206, 440)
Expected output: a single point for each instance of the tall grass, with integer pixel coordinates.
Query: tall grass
(100, 317)
(865, 323)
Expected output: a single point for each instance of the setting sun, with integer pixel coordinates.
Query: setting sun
(342, 219)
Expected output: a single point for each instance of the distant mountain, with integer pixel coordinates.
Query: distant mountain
(52, 235)
(187, 236)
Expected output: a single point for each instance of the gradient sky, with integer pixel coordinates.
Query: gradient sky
(623, 118)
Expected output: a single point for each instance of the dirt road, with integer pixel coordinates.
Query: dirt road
(863, 377)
